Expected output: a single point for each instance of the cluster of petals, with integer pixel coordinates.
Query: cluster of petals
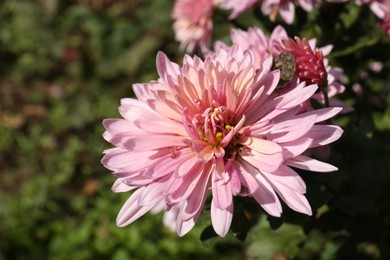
(193, 23)
(215, 128)
(312, 66)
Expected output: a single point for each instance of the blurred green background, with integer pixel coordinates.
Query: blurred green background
(64, 65)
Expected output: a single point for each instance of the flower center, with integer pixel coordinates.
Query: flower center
(213, 125)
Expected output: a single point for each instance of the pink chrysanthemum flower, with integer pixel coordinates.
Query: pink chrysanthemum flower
(263, 46)
(215, 126)
(193, 23)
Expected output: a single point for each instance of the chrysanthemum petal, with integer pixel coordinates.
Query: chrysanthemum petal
(190, 161)
(296, 147)
(222, 191)
(119, 186)
(264, 162)
(296, 97)
(323, 114)
(167, 70)
(290, 130)
(287, 177)
(153, 193)
(221, 218)
(307, 163)
(198, 196)
(132, 161)
(324, 134)
(260, 189)
(207, 153)
(153, 142)
(294, 200)
(131, 211)
(261, 145)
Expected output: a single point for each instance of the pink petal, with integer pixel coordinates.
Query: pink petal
(170, 216)
(156, 126)
(287, 177)
(294, 200)
(222, 192)
(206, 154)
(184, 226)
(116, 126)
(191, 161)
(153, 193)
(221, 218)
(306, 5)
(178, 189)
(167, 69)
(153, 142)
(198, 196)
(278, 33)
(307, 163)
(124, 159)
(296, 147)
(119, 186)
(131, 211)
(165, 109)
(290, 130)
(137, 180)
(324, 113)
(261, 145)
(260, 189)
(131, 109)
(234, 179)
(296, 97)
(324, 134)
(264, 162)
(287, 12)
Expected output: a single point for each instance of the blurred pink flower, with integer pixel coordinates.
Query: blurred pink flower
(286, 8)
(378, 7)
(238, 6)
(263, 46)
(385, 24)
(193, 23)
(218, 126)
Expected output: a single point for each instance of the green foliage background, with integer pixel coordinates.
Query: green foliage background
(64, 65)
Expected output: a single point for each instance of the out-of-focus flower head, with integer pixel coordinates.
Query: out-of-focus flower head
(378, 7)
(385, 24)
(311, 65)
(215, 126)
(193, 23)
(238, 6)
(286, 8)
